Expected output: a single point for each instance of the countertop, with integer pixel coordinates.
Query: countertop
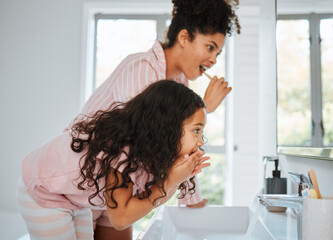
(283, 226)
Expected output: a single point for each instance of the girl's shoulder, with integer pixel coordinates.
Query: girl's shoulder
(139, 177)
(54, 158)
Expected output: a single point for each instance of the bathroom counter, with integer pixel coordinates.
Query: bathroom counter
(283, 226)
(219, 222)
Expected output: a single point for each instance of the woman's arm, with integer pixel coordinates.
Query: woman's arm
(216, 91)
(131, 208)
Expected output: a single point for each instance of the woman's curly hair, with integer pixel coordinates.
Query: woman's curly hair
(149, 127)
(203, 16)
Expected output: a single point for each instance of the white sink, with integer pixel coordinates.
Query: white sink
(208, 223)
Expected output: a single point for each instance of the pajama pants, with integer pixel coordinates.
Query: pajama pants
(58, 223)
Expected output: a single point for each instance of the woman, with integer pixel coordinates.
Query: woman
(195, 38)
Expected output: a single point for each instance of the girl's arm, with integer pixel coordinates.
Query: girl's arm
(131, 208)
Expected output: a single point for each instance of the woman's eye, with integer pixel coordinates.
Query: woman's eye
(197, 131)
(210, 48)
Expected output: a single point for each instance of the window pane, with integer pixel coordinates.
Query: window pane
(326, 34)
(293, 68)
(115, 38)
(212, 179)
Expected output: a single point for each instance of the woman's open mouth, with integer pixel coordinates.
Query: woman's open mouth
(202, 68)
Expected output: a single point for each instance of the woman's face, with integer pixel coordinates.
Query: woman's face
(193, 127)
(202, 50)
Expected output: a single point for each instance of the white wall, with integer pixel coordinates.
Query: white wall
(243, 110)
(40, 60)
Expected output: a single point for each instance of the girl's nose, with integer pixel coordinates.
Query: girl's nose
(200, 141)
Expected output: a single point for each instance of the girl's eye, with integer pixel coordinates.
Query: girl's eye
(197, 131)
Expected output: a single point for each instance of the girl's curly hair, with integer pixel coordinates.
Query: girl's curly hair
(203, 16)
(149, 127)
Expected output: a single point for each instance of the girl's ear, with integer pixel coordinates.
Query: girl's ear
(183, 37)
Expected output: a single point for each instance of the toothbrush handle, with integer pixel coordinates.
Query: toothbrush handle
(314, 181)
(207, 75)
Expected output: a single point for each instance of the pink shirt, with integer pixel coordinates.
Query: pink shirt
(50, 175)
(130, 78)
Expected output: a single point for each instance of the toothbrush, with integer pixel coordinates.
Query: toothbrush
(202, 69)
(311, 193)
(313, 179)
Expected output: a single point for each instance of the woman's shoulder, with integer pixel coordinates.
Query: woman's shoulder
(153, 56)
(141, 58)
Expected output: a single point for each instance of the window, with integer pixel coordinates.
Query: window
(305, 80)
(326, 34)
(117, 36)
(114, 38)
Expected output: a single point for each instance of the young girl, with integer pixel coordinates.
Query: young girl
(195, 38)
(126, 160)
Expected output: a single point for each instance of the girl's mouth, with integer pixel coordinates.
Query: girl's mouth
(194, 151)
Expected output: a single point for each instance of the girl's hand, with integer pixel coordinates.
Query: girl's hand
(186, 167)
(216, 91)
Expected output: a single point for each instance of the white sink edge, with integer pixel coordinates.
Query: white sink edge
(162, 222)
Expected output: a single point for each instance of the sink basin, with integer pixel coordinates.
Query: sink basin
(208, 223)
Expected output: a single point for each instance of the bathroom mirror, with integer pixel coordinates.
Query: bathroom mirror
(304, 43)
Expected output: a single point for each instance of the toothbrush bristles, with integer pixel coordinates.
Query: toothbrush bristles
(203, 70)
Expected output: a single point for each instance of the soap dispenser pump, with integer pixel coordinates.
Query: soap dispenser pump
(276, 185)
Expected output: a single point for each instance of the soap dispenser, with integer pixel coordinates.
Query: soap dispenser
(276, 185)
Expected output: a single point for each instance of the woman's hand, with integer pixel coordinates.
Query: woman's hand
(186, 167)
(216, 91)
(199, 204)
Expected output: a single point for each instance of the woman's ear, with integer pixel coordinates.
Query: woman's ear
(183, 37)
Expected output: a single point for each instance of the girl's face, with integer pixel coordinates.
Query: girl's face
(193, 127)
(202, 50)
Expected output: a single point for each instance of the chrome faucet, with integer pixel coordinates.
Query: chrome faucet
(294, 201)
(302, 180)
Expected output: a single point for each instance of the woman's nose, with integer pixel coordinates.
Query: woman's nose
(212, 59)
